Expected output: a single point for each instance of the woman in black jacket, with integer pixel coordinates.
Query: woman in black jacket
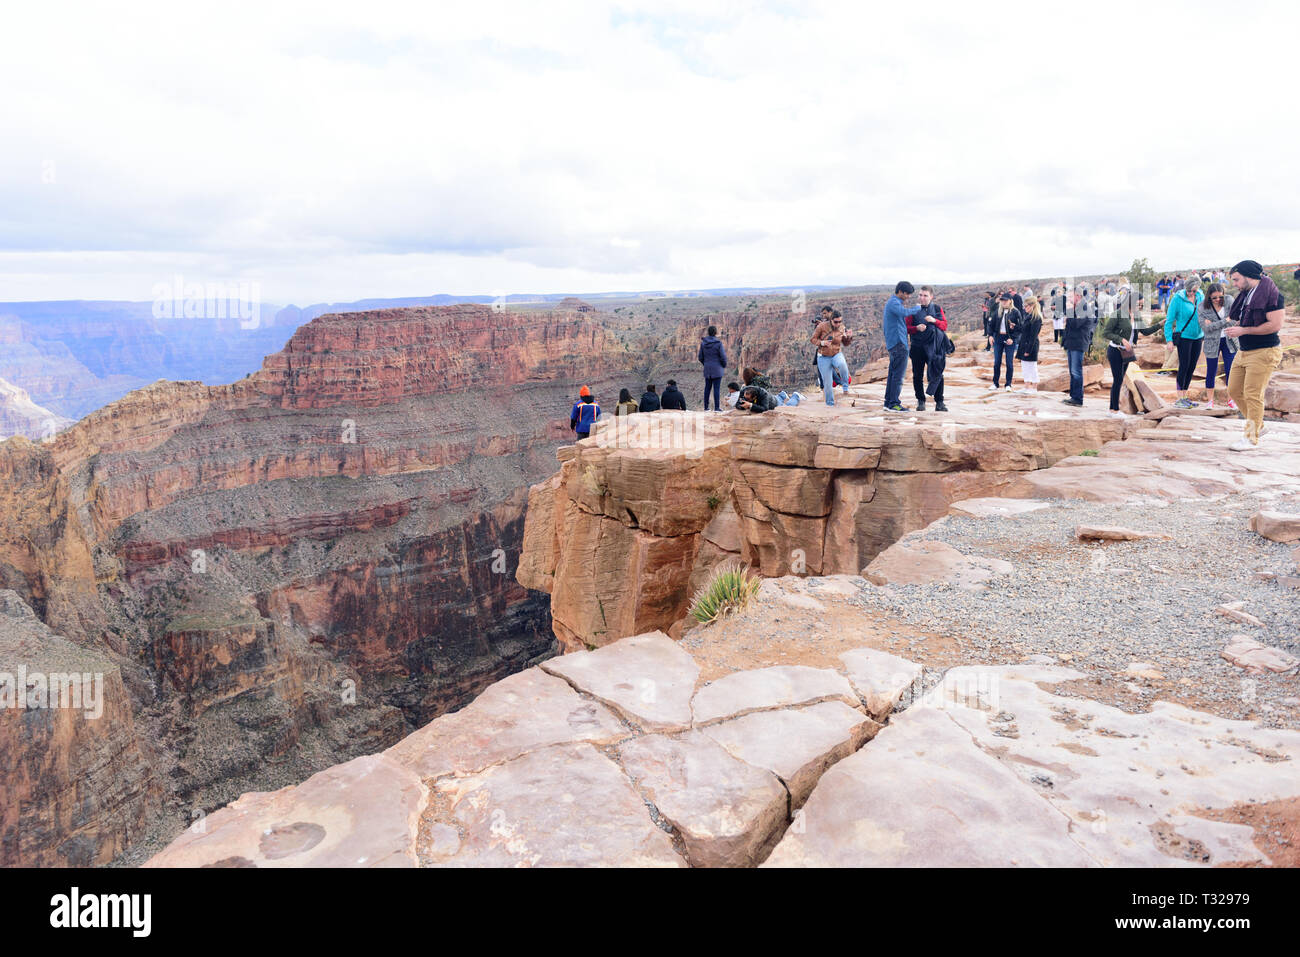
(1027, 345)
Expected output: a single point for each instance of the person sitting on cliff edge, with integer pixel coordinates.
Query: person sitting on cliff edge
(672, 397)
(649, 399)
(625, 404)
(584, 414)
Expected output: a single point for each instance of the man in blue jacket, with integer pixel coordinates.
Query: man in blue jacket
(896, 312)
(584, 414)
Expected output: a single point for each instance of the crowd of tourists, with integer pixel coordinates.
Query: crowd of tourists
(1237, 332)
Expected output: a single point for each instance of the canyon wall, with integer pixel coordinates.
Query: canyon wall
(301, 566)
(640, 513)
(293, 569)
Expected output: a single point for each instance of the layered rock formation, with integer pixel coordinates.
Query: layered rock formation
(19, 415)
(302, 566)
(641, 512)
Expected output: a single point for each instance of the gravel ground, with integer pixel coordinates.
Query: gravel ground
(1117, 608)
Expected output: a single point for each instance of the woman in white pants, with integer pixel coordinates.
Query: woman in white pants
(1027, 347)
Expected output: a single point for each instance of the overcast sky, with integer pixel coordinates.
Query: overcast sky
(334, 152)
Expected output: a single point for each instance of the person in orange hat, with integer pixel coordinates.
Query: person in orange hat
(584, 414)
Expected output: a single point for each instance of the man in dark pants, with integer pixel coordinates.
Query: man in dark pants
(923, 329)
(1080, 323)
(896, 313)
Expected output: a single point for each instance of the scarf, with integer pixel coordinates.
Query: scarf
(1265, 295)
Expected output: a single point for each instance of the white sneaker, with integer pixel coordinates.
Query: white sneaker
(1243, 445)
(1117, 415)
(1008, 389)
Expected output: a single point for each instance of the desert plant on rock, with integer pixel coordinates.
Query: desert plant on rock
(729, 589)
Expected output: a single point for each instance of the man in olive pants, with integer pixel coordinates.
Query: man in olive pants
(1257, 311)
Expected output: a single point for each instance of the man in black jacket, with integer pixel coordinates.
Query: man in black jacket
(925, 333)
(1080, 323)
(672, 397)
(649, 400)
(755, 399)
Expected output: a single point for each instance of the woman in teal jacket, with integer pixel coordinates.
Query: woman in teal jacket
(1183, 329)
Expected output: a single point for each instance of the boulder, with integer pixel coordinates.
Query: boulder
(648, 679)
(525, 712)
(1234, 612)
(796, 744)
(780, 686)
(996, 507)
(1114, 533)
(363, 813)
(923, 794)
(879, 678)
(1060, 381)
(566, 806)
(1256, 658)
(728, 812)
(919, 562)
(1277, 526)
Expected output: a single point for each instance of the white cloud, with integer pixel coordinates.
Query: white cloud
(338, 151)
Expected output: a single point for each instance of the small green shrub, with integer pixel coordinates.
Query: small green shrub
(1092, 453)
(714, 502)
(730, 589)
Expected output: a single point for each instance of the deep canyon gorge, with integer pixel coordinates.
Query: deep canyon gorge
(305, 565)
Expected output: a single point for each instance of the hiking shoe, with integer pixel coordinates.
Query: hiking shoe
(1071, 402)
(897, 407)
(940, 407)
(920, 406)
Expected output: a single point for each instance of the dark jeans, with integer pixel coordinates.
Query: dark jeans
(1117, 364)
(1074, 358)
(897, 368)
(712, 384)
(1056, 335)
(1189, 353)
(1000, 349)
(920, 369)
(1212, 365)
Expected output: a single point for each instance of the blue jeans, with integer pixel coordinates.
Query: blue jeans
(785, 398)
(1074, 358)
(1000, 349)
(1212, 365)
(712, 384)
(897, 367)
(827, 367)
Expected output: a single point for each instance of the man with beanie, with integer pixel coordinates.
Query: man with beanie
(896, 312)
(584, 414)
(1257, 312)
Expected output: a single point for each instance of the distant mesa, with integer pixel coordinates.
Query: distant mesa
(574, 304)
